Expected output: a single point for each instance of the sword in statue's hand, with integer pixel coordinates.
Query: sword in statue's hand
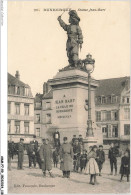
(65, 9)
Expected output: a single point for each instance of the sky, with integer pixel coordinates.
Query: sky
(37, 43)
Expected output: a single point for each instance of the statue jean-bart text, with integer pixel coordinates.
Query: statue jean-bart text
(75, 37)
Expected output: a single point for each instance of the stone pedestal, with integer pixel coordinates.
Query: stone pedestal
(89, 141)
(70, 92)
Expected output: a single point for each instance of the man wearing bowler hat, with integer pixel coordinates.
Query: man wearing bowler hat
(66, 156)
(20, 153)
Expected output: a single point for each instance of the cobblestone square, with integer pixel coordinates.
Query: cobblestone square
(32, 181)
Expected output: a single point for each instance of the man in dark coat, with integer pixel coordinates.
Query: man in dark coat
(125, 166)
(46, 158)
(20, 153)
(66, 156)
(100, 158)
(31, 154)
(112, 155)
(55, 157)
(10, 153)
(77, 153)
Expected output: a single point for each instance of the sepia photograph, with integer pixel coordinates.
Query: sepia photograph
(68, 97)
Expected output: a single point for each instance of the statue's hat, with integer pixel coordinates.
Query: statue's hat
(73, 13)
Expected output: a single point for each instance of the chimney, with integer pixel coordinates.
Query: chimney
(44, 88)
(17, 75)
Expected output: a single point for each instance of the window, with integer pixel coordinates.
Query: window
(26, 91)
(115, 131)
(9, 107)
(26, 126)
(17, 90)
(126, 113)
(26, 106)
(17, 108)
(104, 115)
(17, 126)
(128, 100)
(104, 131)
(48, 118)
(115, 115)
(37, 118)
(99, 100)
(108, 115)
(98, 116)
(108, 99)
(103, 100)
(48, 105)
(38, 132)
(9, 126)
(113, 99)
(126, 129)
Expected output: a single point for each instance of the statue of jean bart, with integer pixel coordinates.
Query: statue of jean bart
(75, 37)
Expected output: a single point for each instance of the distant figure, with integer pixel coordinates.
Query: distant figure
(83, 160)
(112, 155)
(10, 153)
(80, 139)
(100, 158)
(20, 153)
(56, 137)
(128, 149)
(46, 158)
(38, 159)
(31, 154)
(125, 166)
(77, 153)
(74, 139)
(66, 156)
(55, 157)
(92, 167)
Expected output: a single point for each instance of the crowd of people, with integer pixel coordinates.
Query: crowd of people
(71, 157)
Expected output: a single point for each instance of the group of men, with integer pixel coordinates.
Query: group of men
(71, 155)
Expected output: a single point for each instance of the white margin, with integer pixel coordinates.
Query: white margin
(3, 90)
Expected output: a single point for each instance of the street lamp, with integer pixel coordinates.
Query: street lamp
(89, 67)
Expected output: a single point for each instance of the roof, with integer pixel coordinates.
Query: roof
(38, 97)
(111, 86)
(14, 81)
(48, 95)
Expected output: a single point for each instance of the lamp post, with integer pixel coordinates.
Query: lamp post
(89, 67)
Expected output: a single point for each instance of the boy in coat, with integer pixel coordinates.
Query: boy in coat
(125, 166)
(83, 160)
(100, 159)
(55, 157)
(46, 158)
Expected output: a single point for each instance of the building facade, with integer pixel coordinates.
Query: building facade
(113, 110)
(20, 109)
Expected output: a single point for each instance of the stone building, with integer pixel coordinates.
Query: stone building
(112, 100)
(20, 109)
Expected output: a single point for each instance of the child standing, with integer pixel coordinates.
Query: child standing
(125, 166)
(92, 167)
(83, 160)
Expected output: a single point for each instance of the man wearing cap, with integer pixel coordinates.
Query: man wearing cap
(77, 153)
(46, 158)
(75, 37)
(66, 156)
(112, 155)
(20, 153)
(35, 150)
(100, 158)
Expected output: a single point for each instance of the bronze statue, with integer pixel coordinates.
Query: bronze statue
(75, 37)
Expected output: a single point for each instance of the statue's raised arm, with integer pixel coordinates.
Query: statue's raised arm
(75, 37)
